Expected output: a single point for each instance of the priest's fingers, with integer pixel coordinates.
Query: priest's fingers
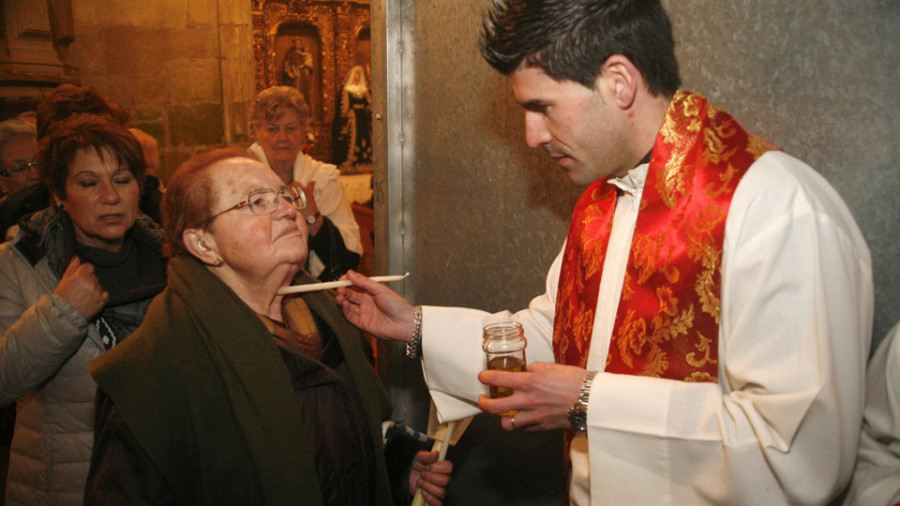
(542, 395)
(505, 379)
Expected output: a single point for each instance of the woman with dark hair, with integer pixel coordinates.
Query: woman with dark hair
(77, 279)
(229, 392)
(68, 100)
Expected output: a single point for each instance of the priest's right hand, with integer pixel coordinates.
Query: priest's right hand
(375, 308)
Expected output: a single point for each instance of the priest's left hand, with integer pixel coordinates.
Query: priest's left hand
(542, 395)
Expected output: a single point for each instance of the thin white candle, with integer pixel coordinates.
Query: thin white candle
(315, 287)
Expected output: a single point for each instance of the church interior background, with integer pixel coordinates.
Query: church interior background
(819, 78)
(187, 70)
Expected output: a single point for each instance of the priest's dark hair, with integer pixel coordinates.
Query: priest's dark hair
(571, 39)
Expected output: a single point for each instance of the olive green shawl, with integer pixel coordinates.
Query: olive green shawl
(203, 388)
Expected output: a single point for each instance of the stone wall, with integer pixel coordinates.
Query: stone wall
(819, 78)
(183, 68)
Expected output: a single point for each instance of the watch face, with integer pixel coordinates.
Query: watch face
(578, 419)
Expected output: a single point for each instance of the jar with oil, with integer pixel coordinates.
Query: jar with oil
(504, 349)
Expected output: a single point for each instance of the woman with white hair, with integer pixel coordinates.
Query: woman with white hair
(280, 123)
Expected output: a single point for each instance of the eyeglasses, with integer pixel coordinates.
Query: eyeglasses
(18, 170)
(265, 201)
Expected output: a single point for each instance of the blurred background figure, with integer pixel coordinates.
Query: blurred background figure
(230, 393)
(279, 123)
(352, 127)
(29, 116)
(151, 193)
(876, 479)
(68, 100)
(78, 278)
(18, 169)
(150, 148)
(18, 154)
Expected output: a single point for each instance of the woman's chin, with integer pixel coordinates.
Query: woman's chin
(295, 264)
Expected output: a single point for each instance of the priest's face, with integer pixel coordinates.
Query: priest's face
(578, 127)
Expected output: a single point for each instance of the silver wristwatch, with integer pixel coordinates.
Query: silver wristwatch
(578, 411)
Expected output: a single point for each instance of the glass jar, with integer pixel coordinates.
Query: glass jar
(504, 349)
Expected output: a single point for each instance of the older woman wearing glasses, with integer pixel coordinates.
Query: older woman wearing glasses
(18, 151)
(230, 393)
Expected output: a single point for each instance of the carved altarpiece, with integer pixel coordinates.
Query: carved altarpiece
(337, 35)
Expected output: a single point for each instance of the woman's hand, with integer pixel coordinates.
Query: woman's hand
(80, 287)
(430, 476)
(376, 309)
(311, 206)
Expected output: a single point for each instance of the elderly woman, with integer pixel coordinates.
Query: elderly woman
(280, 122)
(77, 279)
(230, 393)
(18, 151)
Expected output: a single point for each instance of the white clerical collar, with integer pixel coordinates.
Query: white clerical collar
(633, 182)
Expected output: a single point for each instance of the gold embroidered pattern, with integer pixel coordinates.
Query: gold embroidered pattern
(704, 348)
(649, 258)
(700, 377)
(669, 325)
(671, 186)
(756, 146)
(668, 317)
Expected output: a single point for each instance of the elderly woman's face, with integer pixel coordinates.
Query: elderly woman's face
(282, 139)
(18, 159)
(101, 199)
(254, 245)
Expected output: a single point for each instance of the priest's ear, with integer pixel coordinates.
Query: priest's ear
(201, 244)
(620, 81)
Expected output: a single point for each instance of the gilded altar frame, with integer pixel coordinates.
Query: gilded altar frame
(337, 32)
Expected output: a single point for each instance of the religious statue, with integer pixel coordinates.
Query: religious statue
(298, 68)
(352, 127)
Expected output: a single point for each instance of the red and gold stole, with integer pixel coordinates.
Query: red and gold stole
(668, 317)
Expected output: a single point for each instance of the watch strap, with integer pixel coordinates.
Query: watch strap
(585, 394)
(578, 411)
